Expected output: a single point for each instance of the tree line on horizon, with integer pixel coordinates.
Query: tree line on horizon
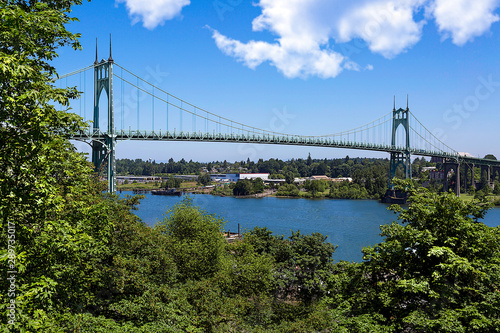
(338, 167)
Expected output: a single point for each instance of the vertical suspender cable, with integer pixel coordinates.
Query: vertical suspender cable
(122, 100)
(66, 83)
(81, 96)
(138, 125)
(153, 118)
(194, 120)
(84, 97)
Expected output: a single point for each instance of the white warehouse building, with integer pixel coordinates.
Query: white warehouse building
(234, 177)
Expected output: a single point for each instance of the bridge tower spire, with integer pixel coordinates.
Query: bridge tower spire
(104, 152)
(399, 157)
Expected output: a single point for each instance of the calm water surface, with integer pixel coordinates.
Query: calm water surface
(349, 224)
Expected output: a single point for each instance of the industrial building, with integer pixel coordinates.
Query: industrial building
(234, 177)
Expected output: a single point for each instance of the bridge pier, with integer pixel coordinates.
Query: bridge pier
(486, 175)
(455, 166)
(495, 171)
(465, 179)
(485, 169)
(99, 152)
(472, 177)
(469, 168)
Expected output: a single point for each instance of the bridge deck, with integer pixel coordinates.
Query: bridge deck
(261, 139)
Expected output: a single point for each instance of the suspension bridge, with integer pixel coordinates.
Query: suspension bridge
(138, 110)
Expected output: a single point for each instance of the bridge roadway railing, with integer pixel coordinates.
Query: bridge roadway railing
(479, 161)
(263, 138)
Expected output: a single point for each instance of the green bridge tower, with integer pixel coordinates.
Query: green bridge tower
(103, 152)
(400, 117)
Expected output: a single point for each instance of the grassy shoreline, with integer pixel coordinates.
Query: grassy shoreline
(302, 195)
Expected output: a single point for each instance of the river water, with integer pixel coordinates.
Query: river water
(349, 224)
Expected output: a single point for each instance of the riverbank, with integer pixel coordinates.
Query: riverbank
(221, 190)
(150, 186)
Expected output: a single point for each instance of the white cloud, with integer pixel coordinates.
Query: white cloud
(291, 62)
(153, 12)
(305, 30)
(387, 27)
(462, 20)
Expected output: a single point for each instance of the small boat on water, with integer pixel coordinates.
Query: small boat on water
(171, 191)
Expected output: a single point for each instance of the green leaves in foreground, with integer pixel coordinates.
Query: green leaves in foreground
(196, 240)
(438, 269)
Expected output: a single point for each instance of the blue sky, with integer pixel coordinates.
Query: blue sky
(306, 67)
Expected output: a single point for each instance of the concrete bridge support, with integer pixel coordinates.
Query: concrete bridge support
(495, 171)
(472, 178)
(486, 172)
(469, 168)
(495, 176)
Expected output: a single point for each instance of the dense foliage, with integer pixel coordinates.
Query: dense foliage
(341, 167)
(248, 186)
(438, 270)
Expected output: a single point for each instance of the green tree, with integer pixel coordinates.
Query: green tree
(247, 272)
(147, 169)
(438, 269)
(315, 186)
(196, 242)
(484, 185)
(242, 187)
(496, 185)
(288, 190)
(173, 182)
(289, 177)
(257, 185)
(62, 222)
(204, 179)
(303, 262)
(348, 190)
(490, 157)
(312, 261)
